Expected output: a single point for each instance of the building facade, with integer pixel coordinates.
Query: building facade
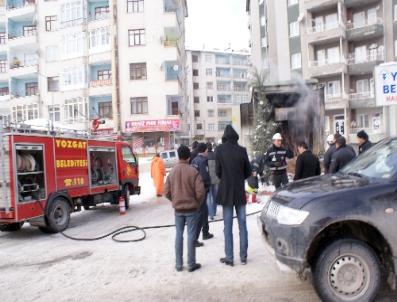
(217, 83)
(336, 42)
(73, 61)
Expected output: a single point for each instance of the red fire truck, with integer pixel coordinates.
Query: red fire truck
(44, 178)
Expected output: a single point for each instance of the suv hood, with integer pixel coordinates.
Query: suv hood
(298, 193)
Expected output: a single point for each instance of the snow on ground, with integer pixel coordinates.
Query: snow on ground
(40, 267)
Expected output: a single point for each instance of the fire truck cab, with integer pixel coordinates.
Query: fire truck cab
(44, 178)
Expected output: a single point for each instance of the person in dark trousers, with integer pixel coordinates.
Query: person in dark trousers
(233, 168)
(330, 151)
(201, 164)
(363, 142)
(307, 164)
(276, 160)
(211, 199)
(342, 156)
(185, 188)
(194, 152)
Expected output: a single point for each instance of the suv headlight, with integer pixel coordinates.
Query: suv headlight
(285, 215)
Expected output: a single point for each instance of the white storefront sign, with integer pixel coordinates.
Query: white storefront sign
(386, 84)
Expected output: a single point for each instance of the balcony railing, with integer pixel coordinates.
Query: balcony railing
(97, 17)
(99, 83)
(361, 95)
(19, 64)
(322, 27)
(350, 25)
(372, 56)
(328, 61)
(25, 35)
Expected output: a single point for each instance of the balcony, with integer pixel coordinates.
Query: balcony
(20, 72)
(19, 11)
(98, 21)
(364, 30)
(362, 100)
(333, 102)
(320, 5)
(327, 67)
(325, 34)
(3, 44)
(101, 87)
(24, 100)
(359, 3)
(24, 41)
(366, 64)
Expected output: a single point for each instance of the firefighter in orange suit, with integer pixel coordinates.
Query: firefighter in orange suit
(158, 174)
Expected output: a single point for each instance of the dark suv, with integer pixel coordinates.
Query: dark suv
(343, 227)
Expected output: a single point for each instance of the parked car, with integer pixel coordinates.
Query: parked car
(170, 158)
(342, 227)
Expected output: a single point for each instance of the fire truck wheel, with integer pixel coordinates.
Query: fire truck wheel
(127, 195)
(58, 216)
(12, 227)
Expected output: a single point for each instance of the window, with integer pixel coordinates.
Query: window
(222, 113)
(296, 61)
(223, 86)
(333, 55)
(73, 77)
(101, 12)
(195, 86)
(222, 59)
(2, 38)
(136, 37)
(333, 89)
(363, 121)
(224, 99)
(321, 59)
(139, 105)
(75, 110)
(194, 58)
(3, 66)
(25, 112)
(372, 16)
(211, 113)
(73, 44)
(53, 83)
(4, 91)
(196, 100)
(331, 21)
(72, 11)
(294, 29)
(173, 104)
(199, 126)
(318, 23)
(195, 72)
(210, 85)
(32, 88)
(54, 113)
(363, 86)
(263, 21)
(29, 30)
(135, 6)
(211, 127)
(222, 125)
(128, 156)
(105, 110)
(105, 74)
(138, 71)
(360, 54)
(99, 37)
(359, 19)
(208, 72)
(50, 22)
(240, 73)
(208, 59)
(52, 53)
(239, 86)
(210, 99)
(196, 113)
(292, 2)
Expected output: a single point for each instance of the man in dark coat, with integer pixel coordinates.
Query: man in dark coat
(330, 152)
(233, 168)
(342, 156)
(194, 152)
(363, 142)
(200, 162)
(307, 164)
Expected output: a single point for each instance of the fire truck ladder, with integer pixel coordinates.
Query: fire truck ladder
(4, 200)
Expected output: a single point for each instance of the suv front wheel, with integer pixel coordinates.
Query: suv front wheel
(347, 270)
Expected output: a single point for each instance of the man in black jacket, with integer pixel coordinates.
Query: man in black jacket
(233, 168)
(200, 162)
(194, 151)
(342, 156)
(276, 160)
(363, 142)
(307, 164)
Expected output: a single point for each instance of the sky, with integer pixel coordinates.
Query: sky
(217, 24)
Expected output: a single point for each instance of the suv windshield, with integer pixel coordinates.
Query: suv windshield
(378, 162)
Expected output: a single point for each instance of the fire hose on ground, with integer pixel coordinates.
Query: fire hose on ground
(132, 228)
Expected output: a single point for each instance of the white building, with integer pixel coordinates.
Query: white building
(217, 83)
(77, 60)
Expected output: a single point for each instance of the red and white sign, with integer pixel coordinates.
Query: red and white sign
(153, 126)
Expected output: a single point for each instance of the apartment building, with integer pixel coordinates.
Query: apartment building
(217, 83)
(72, 61)
(338, 43)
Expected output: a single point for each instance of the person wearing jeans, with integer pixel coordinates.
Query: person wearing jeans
(211, 199)
(232, 168)
(185, 188)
